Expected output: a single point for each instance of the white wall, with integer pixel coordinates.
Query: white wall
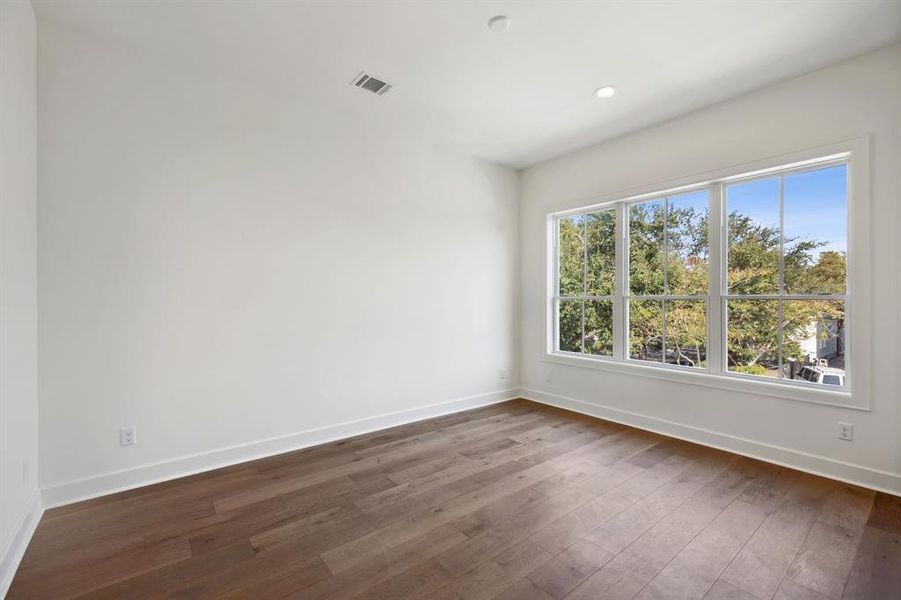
(219, 265)
(18, 301)
(849, 100)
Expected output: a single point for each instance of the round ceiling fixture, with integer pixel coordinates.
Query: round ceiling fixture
(605, 92)
(499, 24)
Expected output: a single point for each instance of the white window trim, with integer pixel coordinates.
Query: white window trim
(858, 309)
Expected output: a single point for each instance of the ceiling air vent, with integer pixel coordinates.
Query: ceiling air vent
(369, 83)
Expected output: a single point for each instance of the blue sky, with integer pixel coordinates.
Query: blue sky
(697, 200)
(815, 205)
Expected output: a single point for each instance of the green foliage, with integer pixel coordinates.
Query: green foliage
(671, 240)
(645, 331)
(646, 235)
(686, 331)
(754, 269)
(676, 242)
(827, 276)
(599, 327)
(600, 233)
(572, 256)
(751, 369)
(570, 325)
(753, 257)
(587, 273)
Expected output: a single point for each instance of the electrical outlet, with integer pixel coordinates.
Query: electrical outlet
(549, 374)
(128, 436)
(845, 431)
(503, 373)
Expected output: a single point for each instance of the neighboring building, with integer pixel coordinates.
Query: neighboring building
(826, 340)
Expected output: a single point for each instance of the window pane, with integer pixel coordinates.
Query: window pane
(646, 247)
(815, 214)
(687, 246)
(569, 315)
(813, 341)
(646, 330)
(601, 236)
(753, 337)
(754, 236)
(599, 327)
(686, 332)
(572, 256)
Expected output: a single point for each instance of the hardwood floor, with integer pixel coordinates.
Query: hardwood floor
(516, 501)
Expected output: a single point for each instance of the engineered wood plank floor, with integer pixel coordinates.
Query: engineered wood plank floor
(516, 501)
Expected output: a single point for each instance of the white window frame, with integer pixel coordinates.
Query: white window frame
(665, 296)
(856, 392)
(584, 297)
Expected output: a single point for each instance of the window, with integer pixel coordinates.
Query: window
(787, 260)
(586, 283)
(745, 276)
(669, 279)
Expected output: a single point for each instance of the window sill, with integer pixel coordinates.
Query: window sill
(737, 383)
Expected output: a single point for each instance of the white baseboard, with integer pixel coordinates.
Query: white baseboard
(108, 483)
(117, 481)
(883, 481)
(15, 550)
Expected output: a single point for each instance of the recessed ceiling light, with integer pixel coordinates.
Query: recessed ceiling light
(500, 23)
(605, 92)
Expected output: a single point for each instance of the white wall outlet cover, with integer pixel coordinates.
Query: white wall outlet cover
(503, 373)
(127, 436)
(845, 431)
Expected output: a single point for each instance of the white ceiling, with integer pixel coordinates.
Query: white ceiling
(516, 98)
